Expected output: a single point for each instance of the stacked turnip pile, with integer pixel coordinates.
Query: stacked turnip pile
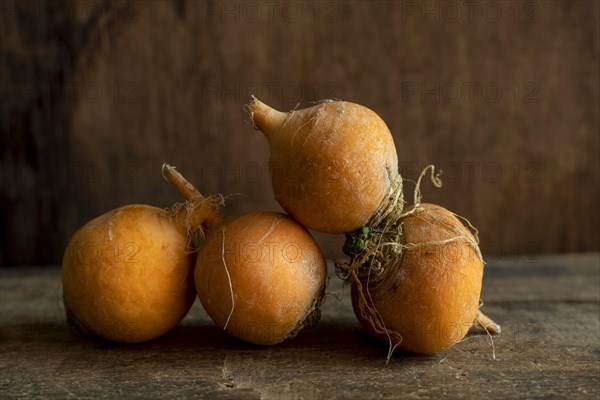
(416, 271)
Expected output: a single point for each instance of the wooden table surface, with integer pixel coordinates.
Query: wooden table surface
(548, 306)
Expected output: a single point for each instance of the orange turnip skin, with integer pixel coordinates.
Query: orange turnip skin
(332, 164)
(434, 295)
(274, 269)
(127, 276)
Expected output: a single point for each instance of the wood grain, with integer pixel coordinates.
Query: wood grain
(549, 348)
(97, 95)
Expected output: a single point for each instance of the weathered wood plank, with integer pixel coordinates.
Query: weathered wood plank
(543, 278)
(549, 348)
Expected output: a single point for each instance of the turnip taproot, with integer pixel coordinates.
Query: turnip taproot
(261, 277)
(127, 275)
(344, 166)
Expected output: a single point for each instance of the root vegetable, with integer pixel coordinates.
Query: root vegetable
(127, 275)
(428, 299)
(260, 277)
(332, 164)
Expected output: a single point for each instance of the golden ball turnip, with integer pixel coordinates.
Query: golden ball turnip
(127, 275)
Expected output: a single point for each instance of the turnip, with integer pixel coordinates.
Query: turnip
(427, 300)
(333, 165)
(334, 169)
(127, 275)
(261, 277)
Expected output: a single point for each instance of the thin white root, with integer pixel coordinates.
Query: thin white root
(229, 278)
(490, 328)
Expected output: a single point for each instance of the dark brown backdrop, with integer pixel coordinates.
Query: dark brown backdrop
(95, 96)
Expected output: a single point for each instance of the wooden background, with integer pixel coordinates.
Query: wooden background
(95, 96)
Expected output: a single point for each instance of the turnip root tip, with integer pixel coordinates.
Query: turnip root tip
(197, 213)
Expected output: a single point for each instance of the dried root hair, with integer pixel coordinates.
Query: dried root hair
(192, 215)
(377, 249)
